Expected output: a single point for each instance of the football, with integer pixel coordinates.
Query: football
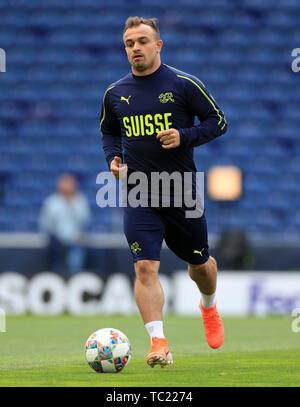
(108, 350)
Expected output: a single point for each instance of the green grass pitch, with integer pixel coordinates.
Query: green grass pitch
(49, 351)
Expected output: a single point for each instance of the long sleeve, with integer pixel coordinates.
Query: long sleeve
(110, 129)
(201, 104)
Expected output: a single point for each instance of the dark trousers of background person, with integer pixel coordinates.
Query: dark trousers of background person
(64, 258)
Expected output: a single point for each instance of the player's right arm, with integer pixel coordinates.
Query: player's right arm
(117, 169)
(111, 136)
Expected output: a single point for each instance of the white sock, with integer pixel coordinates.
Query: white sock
(208, 300)
(155, 328)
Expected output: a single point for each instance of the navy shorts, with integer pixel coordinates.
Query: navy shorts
(145, 229)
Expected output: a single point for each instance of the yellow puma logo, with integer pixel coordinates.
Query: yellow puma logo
(127, 100)
(197, 251)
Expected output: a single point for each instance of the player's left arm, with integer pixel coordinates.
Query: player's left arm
(201, 104)
(110, 130)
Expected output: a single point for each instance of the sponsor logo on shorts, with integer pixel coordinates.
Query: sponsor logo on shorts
(199, 252)
(135, 247)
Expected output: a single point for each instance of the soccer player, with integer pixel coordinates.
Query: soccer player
(147, 123)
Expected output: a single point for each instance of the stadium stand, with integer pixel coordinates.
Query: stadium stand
(62, 57)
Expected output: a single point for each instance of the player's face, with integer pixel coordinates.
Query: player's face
(67, 186)
(142, 48)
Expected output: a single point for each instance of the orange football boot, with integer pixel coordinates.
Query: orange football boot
(213, 326)
(159, 353)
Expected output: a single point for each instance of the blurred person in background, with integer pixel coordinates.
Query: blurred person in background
(63, 218)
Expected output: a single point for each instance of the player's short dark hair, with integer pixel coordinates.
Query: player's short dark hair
(136, 21)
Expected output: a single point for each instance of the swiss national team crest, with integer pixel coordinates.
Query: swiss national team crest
(166, 97)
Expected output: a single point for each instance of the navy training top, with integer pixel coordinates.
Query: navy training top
(136, 108)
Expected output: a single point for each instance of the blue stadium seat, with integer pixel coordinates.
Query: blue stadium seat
(51, 97)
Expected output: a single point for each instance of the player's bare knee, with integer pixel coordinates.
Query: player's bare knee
(198, 269)
(213, 261)
(145, 272)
